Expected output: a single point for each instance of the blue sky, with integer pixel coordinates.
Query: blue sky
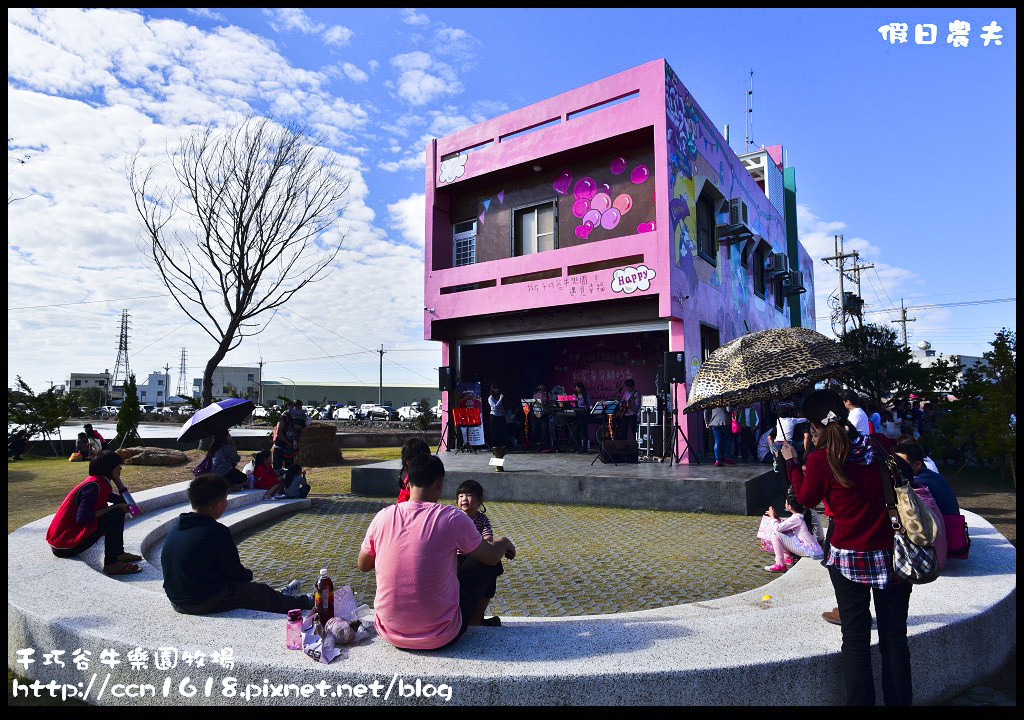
(906, 149)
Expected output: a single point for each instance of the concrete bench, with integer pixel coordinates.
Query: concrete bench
(738, 650)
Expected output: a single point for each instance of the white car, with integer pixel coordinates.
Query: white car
(409, 412)
(260, 412)
(344, 413)
(436, 411)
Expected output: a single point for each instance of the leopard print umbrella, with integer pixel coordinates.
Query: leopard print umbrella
(766, 365)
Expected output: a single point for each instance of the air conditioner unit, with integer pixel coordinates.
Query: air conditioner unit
(793, 283)
(778, 264)
(738, 213)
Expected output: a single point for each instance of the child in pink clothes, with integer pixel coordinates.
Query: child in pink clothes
(792, 536)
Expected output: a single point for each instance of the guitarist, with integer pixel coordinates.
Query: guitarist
(626, 413)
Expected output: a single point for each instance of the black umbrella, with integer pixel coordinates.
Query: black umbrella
(766, 365)
(215, 417)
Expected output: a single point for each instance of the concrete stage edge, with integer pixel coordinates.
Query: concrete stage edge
(570, 479)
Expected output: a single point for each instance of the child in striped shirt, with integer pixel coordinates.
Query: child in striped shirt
(469, 498)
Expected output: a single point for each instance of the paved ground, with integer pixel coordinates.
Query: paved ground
(572, 560)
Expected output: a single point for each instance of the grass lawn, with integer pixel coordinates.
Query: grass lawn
(37, 486)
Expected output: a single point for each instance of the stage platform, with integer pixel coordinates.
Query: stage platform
(570, 479)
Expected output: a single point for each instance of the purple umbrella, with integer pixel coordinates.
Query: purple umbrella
(215, 417)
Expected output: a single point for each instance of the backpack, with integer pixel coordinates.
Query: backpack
(205, 465)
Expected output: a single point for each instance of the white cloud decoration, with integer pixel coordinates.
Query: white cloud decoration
(630, 279)
(452, 169)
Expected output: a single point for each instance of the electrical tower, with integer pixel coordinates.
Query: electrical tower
(121, 368)
(847, 304)
(183, 388)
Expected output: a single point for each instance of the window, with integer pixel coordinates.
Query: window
(780, 299)
(250, 378)
(143, 394)
(159, 382)
(709, 341)
(706, 235)
(759, 261)
(102, 383)
(464, 244)
(78, 382)
(533, 229)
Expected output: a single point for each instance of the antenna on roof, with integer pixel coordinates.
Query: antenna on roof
(750, 113)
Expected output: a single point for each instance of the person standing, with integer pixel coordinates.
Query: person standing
(720, 422)
(747, 422)
(544, 426)
(631, 410)
(844, 469)
(856, 415)
(582, 429)
(497, 402)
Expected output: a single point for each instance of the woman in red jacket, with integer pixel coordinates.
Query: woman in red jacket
(90, 510)
(845, 471)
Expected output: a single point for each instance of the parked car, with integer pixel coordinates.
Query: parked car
(382, 412)
(436, 411)
(365, 408)
(260, 412)
(148, 409)
(345, 413)
(409, 412)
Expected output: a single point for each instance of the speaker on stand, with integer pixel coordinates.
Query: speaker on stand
(445, 383)
(675, 373)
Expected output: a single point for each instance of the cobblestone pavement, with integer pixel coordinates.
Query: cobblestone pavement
(571, 560)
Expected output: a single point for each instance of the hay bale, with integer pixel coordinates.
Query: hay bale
(152, 456)
(318, 446)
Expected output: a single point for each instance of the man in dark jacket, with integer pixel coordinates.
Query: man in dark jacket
(202, 571)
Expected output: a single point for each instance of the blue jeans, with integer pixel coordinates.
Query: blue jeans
(723, 441)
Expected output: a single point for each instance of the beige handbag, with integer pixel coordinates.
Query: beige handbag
(918, 520)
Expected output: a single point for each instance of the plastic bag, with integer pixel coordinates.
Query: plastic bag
(351, 624)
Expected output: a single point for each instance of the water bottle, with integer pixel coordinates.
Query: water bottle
(294, 630)
(324, 598)
(133, 508)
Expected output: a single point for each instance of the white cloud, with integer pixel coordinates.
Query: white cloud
(337, 35)
(285, 19)
(354, 73)
(206, 13)
(408, 215)
(411, 17)
(421, 79)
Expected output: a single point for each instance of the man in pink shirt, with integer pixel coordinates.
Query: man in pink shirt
(420, 604)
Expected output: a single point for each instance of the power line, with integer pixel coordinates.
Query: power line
(83, 302)
(964, 303)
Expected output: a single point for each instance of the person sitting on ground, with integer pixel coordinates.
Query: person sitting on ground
(83, 450)
(202, 571)
(95, 439)
(261, 470)
(875, 418)
(470, 499)
(764, 446)
(412, 447)
(17, 443)
(224, 458)
(944, 496)
(92, 510)
(793, 536)
(856, 415)
(420, 603)
(294, 485)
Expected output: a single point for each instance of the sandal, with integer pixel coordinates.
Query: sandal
(122, 568)
(127, 557)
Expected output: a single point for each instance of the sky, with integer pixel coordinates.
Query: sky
(906, 149)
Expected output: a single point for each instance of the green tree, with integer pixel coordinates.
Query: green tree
(423, 421)
(984, 418)
(89, 398)
(41, 414)
(128, 416)
(887, 368)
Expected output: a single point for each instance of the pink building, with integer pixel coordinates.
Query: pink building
(584, 237)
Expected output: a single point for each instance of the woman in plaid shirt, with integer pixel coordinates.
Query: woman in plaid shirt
(845, 472)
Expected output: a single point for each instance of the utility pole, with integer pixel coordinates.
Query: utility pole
(857, 269)
(167, 384)
(380, 386)
(840, 258)
(750, 115)
(261, 383)
(903, 322)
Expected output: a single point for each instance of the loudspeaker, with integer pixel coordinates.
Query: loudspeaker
(445, 380)
(675, 367)
(654, 442)
(620, 451)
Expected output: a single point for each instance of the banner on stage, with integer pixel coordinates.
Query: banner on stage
(470, 397)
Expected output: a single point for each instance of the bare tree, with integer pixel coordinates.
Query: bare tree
(257, 199)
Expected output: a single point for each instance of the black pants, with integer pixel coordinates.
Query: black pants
(111, 528)
(281, 461)
(497, 430)
(248, 596)
(891, 607)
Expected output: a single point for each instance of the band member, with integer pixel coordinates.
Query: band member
(630, 408)
(582, 401)
(543, 427)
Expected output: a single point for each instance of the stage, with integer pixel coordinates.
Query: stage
(570, 479)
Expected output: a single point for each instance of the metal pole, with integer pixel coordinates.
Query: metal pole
(380, 386)
(842, 298)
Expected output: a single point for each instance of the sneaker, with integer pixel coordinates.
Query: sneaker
(776, 568)
(291, 588)
(832, 617)
(790, 561)
(491, 622)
